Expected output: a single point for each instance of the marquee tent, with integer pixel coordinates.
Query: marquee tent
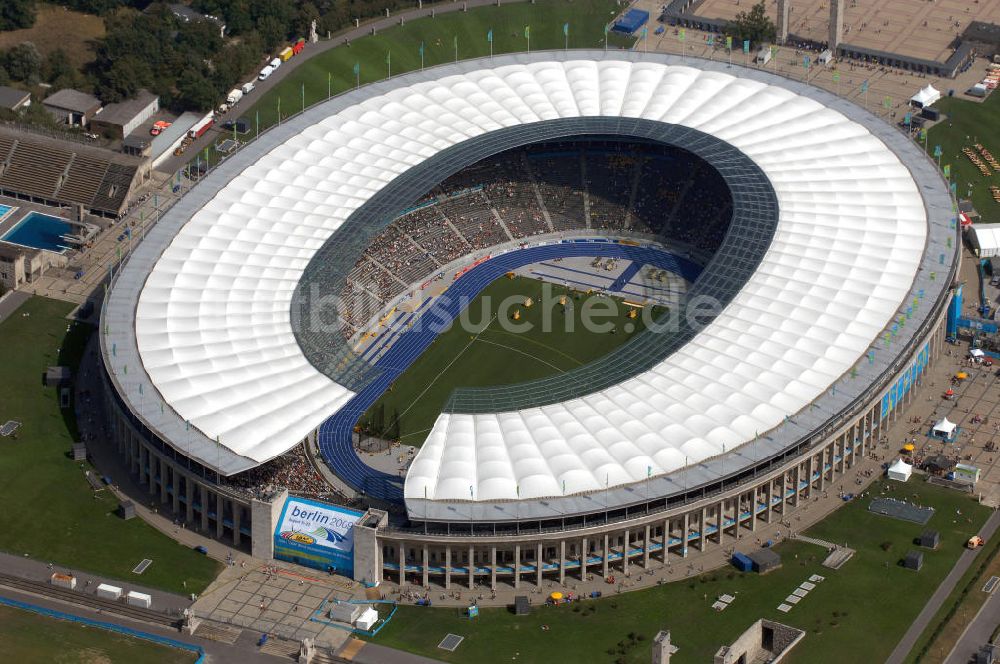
(985, 239)
(944, 429)
(925, 97)
(900, 471)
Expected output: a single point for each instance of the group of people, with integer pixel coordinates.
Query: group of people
(647, 189)
(291, 471)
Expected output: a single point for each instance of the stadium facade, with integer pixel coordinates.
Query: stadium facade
(833, 280)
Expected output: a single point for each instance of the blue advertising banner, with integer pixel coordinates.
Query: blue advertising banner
(907, 379)
(317, 535)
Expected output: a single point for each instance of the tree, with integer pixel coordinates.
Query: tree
(123, 80)
(195, 91)
(15, 14)
(59, 72)
(754, 25)
(24, 63)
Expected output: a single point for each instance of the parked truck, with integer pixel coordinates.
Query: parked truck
(286, 54)
(247, 88)
(201, 126)
(298, 46)
(234, 96)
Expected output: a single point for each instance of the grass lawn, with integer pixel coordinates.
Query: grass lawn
(50, 512)
(968, 123)
(332, 71)
(487, 353)
(58, 27)
(958, 610)
(857, 614)
(29, 637)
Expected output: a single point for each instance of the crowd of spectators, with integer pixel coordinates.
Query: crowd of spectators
(292, 471)
(601, 185)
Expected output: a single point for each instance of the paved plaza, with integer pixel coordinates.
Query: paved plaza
(916, 28)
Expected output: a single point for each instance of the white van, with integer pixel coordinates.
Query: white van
(275, 63)
(248, 88)
(265, 72)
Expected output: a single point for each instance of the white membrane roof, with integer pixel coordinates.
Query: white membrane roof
(213, 326)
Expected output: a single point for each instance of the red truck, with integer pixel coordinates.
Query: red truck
(201, 126)
(298, 46)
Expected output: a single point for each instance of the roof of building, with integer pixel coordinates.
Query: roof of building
(72, 100)
(12, 97)
(765, 557)
(177, 129)
(821, 298)
(123, 112)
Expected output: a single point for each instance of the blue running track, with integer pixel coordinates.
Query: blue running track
(626, 276)
(335, 434)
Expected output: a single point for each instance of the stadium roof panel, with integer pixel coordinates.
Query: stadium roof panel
(215, 338)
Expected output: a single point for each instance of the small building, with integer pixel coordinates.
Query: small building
(72, 106)
(965, 474)
(929, 539)
(21, 265)
(765, 560)
(914, 560)
(764, 641)
(58, 376)
(79, 452)
(126, 510)
(120, 120)
(187, 15)
(521, 605)
(137, 146)
(742, 562)
(12, 99)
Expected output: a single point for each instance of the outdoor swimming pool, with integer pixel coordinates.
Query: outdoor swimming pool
(4, 210)
(41, 231)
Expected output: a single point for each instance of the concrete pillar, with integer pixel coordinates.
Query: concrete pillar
(583, 559)
(625, 549)
(177, 491)
(604, 557)
(753, 508)
(822, 467)
(720, 513)
(836, 24)
(666, 540)
(164, 479)
(784, 493)
(426, 561)
(684, 535)
(703, 528)
(562, 562)
(472, 568)
(236, 525)
(493, 567)
(782, 23)
(447, 567)
(189, 500)
(402, 564)
(204, 508)
(517, 566)
(220, 527)
(151, 472)
(769, 497)
(538, 565)
(645, 549)
(797, 494)
(812, 472)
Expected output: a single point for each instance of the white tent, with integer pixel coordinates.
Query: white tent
(976, 353)
(925, 97)
(900, 471)
(944, 429)
(985, 240)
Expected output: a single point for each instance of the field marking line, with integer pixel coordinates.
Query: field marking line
(522, 352)
(417, 399)
(543, 345)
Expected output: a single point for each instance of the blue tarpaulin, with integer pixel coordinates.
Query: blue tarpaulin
(632, 21)
(742, 562)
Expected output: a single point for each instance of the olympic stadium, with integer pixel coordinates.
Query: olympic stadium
(294, 286)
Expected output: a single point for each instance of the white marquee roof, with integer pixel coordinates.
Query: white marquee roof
(213, 329)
